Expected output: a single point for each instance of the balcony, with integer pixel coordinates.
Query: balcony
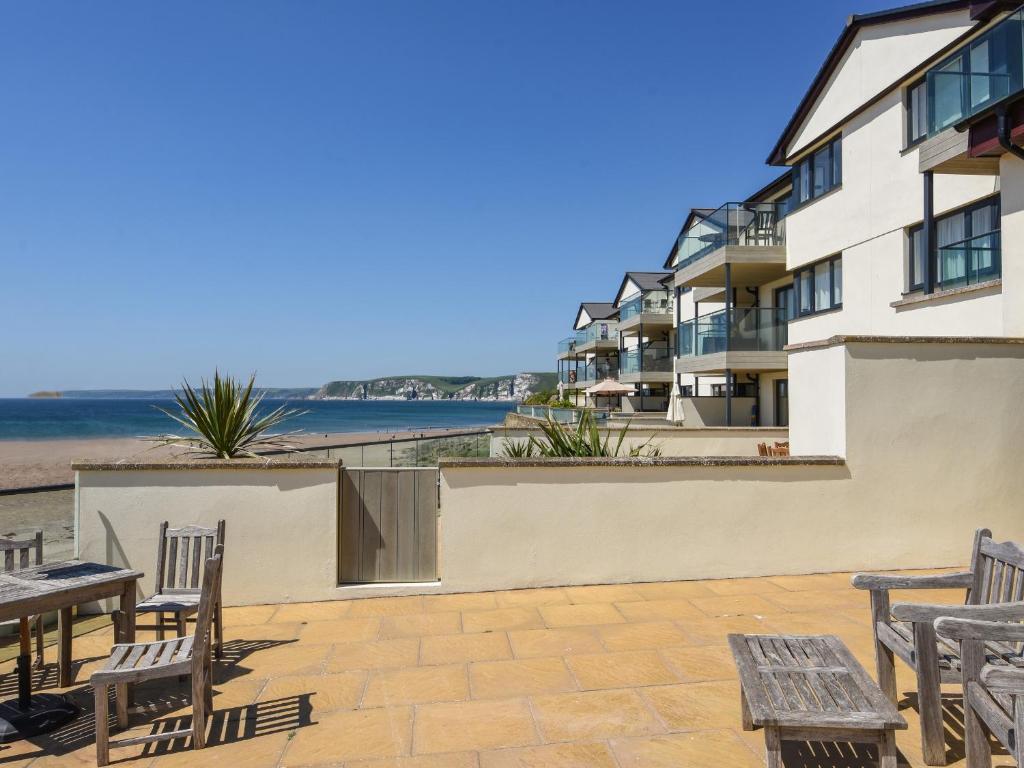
(567, 347)
(598, 335)
(649, 366)
(649, 308)
(986, 70)
(969, 262)
(597, 370)
(751, 237)
(753, 339)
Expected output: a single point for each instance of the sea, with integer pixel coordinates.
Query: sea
(77, 418)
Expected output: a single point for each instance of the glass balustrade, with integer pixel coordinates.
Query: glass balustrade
(734, 224)
(987, 69)
(599, 331)
(969, 262)
(567, 345)
(657, 360)
(685, 338)
(752, 329)
(649, 303)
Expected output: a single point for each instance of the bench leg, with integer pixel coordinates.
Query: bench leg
(102, 734)
(887, 749)
(977, 747)
(885, 661)
(772, 747)
(929, 694)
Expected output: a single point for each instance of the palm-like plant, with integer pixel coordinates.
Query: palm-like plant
(224, 421)
(585, 439)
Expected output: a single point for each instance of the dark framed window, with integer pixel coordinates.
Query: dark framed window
(819, 286)
(817, 174)
(739, 389)
(917, 112)
(967, 247)
(785, 298)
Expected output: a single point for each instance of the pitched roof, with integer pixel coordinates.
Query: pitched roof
(597, 310)
(980, 9)
(646, 281)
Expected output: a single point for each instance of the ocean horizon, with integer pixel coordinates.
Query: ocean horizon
(83, 418)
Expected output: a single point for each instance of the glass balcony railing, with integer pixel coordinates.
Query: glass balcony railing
(567, 345)
(969, 262)
(599, 331)
(563, 415)
(598, 369)
(752, 329)
(989, 68)
(657, 360)
(650, 303)
(735, 224)
(581, 337)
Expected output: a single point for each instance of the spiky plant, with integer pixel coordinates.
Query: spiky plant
(585, 439)
(225, 421)
(522, 449)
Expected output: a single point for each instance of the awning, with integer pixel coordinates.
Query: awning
(610, 388)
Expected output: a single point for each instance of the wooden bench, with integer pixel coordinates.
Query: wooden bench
(811, 688)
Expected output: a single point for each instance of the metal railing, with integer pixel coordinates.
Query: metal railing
(985, 70)
(752, 329)
(649, 303)
(735, 224)
(969, 261)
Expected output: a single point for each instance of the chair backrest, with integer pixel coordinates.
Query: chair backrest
(17, 552)
(998, 569)
(762, 449)
(212, 569)
(180, 555)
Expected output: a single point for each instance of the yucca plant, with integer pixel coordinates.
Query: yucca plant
(224, 419)
(523, 449)
(585, 439)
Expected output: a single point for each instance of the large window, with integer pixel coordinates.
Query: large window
(819, 287)
(785, 298)
(967, 247)
(917, 112)
(819, 173)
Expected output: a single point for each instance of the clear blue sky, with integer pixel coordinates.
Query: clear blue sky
(321, 190)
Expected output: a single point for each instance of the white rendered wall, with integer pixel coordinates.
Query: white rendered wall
(1011, 171)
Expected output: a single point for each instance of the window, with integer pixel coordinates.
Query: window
(917, 112)
(820, 286)
(967, 247)
(817, 174)
(785, 298)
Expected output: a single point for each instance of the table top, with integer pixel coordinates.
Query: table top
(51, 585)
(809, 681)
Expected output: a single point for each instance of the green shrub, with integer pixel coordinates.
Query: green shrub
(582, 439)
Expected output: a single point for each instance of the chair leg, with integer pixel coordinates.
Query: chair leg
(1018, 729)
(160, 626)
(121, 704)
(198, 711)
(887, 755)
(181, 625)
(929, 694)
(218, 624)
(102, 734)
(977, 748)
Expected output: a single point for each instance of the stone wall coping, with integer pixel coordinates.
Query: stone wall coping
(193, 463)
(835, 341)
(618, 424)
(661, 461)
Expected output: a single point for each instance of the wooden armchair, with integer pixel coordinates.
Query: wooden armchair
(992, 674)
(995, 589)
(178, 570)
(25, 553)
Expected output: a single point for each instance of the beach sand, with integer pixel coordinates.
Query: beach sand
(30, 463)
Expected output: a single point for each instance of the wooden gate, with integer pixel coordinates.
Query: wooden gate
(388, 526)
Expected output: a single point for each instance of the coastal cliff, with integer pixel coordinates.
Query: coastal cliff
(511, 387)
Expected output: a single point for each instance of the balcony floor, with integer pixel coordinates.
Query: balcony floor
(617, 675)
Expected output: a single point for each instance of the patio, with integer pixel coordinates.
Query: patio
(616, 675)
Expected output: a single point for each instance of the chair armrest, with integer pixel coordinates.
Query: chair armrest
(927, 581)
(995, 612)
(1003, 679)
(963, 628)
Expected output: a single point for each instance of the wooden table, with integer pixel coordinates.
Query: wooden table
(59, 587)
(811, 688)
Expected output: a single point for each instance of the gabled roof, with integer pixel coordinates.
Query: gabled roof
(691, 217)
(645, 281)
(597, 310)
(980, 10)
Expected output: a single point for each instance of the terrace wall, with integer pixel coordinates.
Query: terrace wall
(673, 441)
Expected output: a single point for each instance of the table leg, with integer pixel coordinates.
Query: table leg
(24, 665)
(128, 626)
(772, 747)
(748, 724)
(64, 647)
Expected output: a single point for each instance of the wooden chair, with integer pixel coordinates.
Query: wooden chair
(179, 556)
(17, 554)
(995, 588)
(992, 675)
(762, 449)
(179, 656)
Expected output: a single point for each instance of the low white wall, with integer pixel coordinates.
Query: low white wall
(281, 516)
(673, 441)
(710, 411)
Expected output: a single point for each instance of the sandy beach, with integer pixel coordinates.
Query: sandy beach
(30, 463)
